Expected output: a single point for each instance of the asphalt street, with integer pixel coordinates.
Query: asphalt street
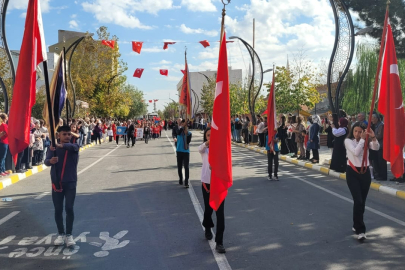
(130, 213)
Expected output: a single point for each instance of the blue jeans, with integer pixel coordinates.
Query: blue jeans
(237, 135)
(89, 137)
(3, 154)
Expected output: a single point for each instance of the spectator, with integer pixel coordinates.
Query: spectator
(3, 143)
(282, 135)
(97, 133)
(38, 145)
(298, 137)
(245, 130)
(327, 127)
(379, 164)
(339, 161)
(260, 131)
(361, 117)
(313, 143)
(46, 141)
(238, 129)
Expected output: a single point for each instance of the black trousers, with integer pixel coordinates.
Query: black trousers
(207, 222)
(246, 135)
(19, 161)
(117, 138)
(67, 195)
(261, 139)
(38, 156)
(359, 185)
(97, 137)
(315, 154)
(380, 165)
(146, 137)
(132, 137)
(183, 159)
(271, 157)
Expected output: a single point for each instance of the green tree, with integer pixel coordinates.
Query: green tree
(207, 96)
(372, 13)
(170, 110)
(137, 106)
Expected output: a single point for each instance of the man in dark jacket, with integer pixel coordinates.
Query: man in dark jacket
(64, 159)
(131, 134)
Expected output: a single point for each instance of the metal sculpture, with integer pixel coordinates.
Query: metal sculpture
(255, 80)
(342, 54)
(196, 105)
(5, 49)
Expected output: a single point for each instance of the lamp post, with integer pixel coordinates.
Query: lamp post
(4, 45)
(208, 79)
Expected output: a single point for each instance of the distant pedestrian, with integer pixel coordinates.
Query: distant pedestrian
(359, 183)
(207, 223)
(338, 162)
(272, 157)
(183, 152)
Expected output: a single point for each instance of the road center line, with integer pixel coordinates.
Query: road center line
(381, 214)
(221, 259)
(9, 216)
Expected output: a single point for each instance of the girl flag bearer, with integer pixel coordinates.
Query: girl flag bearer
(359, 184)
(206, 180)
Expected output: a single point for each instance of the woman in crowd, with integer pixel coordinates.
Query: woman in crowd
(45, 139)
(245, 129)
(327, 127)
(183, 140)
(313, 143)
(359, 183)
(38, 145)
(339, 161)
(75, 134)
(282, 135)
(97, 133)
(3, 143)
(207, 223)
(299, 139)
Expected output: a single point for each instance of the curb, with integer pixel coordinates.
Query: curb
(324, 170)
(14, 178)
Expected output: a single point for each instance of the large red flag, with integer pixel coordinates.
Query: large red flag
(33, 52)
(391, 105)
(220, 155)
(185, 97)
(271, 115)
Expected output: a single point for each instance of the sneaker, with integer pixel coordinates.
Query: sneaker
(7, 173)
(208, 234)
(361, 237)
(220, 248)
(127, 146)
(60, 240)
(353, 229)
(269, 178)
(276, 178)
(180, 182)
(3, 174)
(69, 240)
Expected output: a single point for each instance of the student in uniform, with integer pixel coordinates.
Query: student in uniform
(272, 156)
(64, 173)
(183, 152)
(203, 149)
(359, 184)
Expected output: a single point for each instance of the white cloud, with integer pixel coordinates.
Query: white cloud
(23, 4)
(73, 24)
(156, 49)
(122, 12)
(73, 16)
(23, 15)
(163, 62)
(199, 5)
(188, 30)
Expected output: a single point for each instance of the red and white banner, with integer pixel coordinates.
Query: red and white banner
(138, 72)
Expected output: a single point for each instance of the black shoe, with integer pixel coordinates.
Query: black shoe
(186, 185)
(400, 180)
(276, 178)
(394, 179)
(208, 234)
(180, 182)
(299, 158)
(380, 179)
(29, 168)
(294, 156)
(220, 248)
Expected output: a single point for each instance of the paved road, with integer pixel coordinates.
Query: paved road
(130, 213)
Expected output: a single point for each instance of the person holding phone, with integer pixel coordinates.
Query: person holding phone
(358, 182)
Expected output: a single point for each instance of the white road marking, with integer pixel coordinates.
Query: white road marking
(9, 216)
(381, 214)
(97, 161)
(42, 195)
(221, 259)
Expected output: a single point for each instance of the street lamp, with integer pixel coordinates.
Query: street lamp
(208, 79)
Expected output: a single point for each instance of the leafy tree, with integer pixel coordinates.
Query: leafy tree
(136, 104)
(170, 110)
(207, 96)
(5, 74)
(372, 13)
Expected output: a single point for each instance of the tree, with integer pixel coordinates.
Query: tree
(97, 74)
(137, 105)
(372, 13)
(170, 110)
(208, 95)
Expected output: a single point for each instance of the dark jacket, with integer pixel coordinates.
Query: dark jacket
(314, 136)
(130, 130)
(70, 170)
(175, 131)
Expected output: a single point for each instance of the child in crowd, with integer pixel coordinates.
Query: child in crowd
(110, 134)
(272, 157)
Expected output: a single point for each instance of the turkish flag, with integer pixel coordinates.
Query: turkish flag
(220, 155)
(138, 72)
(391, 105)
(205, 43)
(33, 52)
(166, 44)
(164, 72)
(137, 46)
(150, 101)
(271, 115)
(109, 43)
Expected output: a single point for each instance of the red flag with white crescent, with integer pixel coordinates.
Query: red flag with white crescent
(138, 72)
(137, 46)
(220, 154)
(271, 115)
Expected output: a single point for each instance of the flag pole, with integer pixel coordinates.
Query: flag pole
(376, 82)
(48, 98)
(66, 84)
(223, 21)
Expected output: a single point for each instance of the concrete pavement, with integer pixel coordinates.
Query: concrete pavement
(130, 213)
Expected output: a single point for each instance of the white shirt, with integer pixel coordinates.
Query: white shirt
(260, 127)
(205, 171)
(110, 133)
(355, 150)
(338, 132)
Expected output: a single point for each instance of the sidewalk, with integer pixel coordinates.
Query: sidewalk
(16, 177)
(388, 187)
